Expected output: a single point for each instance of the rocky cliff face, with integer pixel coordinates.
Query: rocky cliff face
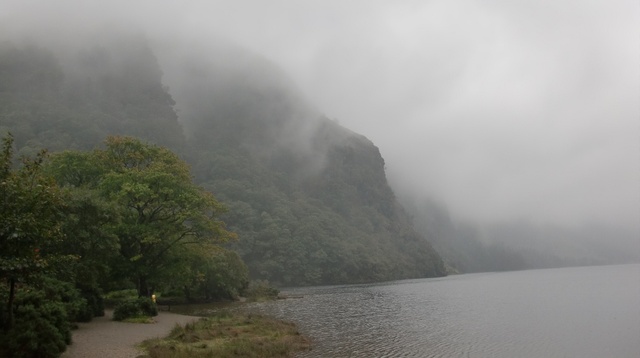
(308, 198)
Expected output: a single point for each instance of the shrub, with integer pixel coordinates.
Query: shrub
(142, 306)
(147, 306)
(218, 275)
(41, 327)
(95, 302)
(226, 275)
(42, 313)
(126, 309)
(261, 290)
(74, 304)
(114, 298)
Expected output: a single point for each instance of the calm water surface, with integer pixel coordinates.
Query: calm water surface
(570, 312)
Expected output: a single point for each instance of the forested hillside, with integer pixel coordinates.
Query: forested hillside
(308, 198)
(101, 90)
(517, 245)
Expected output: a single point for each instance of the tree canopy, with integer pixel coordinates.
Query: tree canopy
(157, 206)
(31, 216)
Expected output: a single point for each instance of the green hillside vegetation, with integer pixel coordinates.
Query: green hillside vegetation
(516, 245)
(307, 198)
(299, 200)
(158, 216)
(105, 91)
(459, 244)
(80, 222)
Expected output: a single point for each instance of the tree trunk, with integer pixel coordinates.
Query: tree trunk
(143, 287)
(187, 293)
(12, 295)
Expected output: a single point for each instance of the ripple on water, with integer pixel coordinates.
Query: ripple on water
(578, 312)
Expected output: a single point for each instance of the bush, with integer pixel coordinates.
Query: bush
(95, 302)
(142, 306)
(147, 306)
(41, 327)
(126, 309)
(74, 304)
(226, 275)
(218, 275)
(114, 298)
(42, 313)
(261, 290)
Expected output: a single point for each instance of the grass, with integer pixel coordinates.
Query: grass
(229, 335)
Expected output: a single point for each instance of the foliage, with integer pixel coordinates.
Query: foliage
(147, 306)
(138, 307)
(259, 290)
(115, 297)
(308, 198)
(62, 243)
(111, 89)
(37, 308)
(219, 274)
(75, 306)
(158, 208)
(310, 234)
(295, 239)
(30, 221)
(41, 327)
(90, 241)
(95, 301)
(230, 335)
(126, 309)
(225, 276)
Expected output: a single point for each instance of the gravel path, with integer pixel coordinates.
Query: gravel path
(105, 338)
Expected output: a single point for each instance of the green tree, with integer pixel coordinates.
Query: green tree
(158, 208)
(31, 217)
(217, 274)
(225, 275)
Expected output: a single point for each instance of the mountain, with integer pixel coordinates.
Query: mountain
(105, 89)
(460, 244)
(518, 245)
(308, 198)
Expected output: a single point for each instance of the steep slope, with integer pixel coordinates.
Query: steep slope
(104, 89)
(308, 198)
(518, 245)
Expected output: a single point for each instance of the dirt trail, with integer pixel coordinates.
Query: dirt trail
(105, 338)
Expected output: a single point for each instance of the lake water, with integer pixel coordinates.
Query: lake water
(569, 312)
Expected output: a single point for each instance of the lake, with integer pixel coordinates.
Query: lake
(568, 312)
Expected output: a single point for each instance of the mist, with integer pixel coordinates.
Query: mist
(501, 111)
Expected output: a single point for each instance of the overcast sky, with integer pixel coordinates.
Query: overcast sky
(501, 109)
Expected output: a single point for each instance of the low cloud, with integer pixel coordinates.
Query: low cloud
(499, 109)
